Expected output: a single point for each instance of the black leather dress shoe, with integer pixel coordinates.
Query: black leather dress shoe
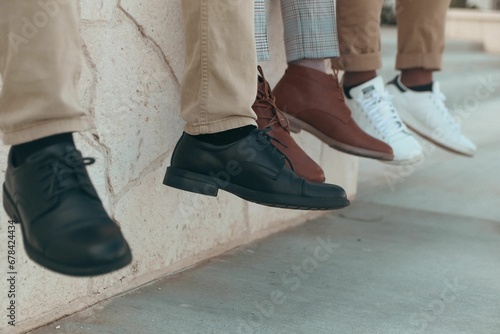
(65, 227)
(251, 168)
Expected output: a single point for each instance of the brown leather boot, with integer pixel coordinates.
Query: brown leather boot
(269, 116)
(314, 101)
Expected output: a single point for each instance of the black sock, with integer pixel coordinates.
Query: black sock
(226, 137)
(422, 88)
(21, 152)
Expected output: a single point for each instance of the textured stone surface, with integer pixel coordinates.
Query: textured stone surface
(133, 54)
(98, 10)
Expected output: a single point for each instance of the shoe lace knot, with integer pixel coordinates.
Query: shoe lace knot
(68, 172)
(267, 101)
(266, 141)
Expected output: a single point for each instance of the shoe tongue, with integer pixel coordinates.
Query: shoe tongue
(376, 87)
(61, 156)
(53, 151)
(368, 92)
(368, 89)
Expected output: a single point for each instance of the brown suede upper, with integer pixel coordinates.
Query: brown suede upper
(317, 99)
(269, 116)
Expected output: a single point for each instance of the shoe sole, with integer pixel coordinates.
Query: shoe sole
(418, 128)
(404, 162)
(437, 143)
(296, 125)
(39, 258)
(414, 160)
(207, 185)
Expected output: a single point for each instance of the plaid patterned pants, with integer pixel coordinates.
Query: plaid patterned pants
(310, 29)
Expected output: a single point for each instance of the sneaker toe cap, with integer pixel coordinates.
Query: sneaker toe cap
(466, 146)
(407, 150)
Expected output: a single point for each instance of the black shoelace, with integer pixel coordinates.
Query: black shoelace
(267, 140)
(67, 172)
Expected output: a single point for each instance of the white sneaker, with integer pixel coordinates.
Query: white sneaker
(373, 111)
(427, 115)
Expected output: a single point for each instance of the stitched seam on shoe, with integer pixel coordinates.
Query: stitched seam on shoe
(204, 61)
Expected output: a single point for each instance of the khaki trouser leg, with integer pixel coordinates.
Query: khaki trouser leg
(220, 71)
(421, 26)
(359, 35)
(40, 55)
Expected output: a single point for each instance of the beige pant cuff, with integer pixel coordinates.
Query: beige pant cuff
(46, 129)
(428, 61)
(358, 62)
(223, 125)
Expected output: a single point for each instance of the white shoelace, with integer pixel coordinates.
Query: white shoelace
(439, 98)
(380, 110)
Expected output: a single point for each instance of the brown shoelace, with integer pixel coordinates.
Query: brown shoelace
(266, 100)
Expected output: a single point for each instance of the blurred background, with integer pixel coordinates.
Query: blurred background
(389, 15)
